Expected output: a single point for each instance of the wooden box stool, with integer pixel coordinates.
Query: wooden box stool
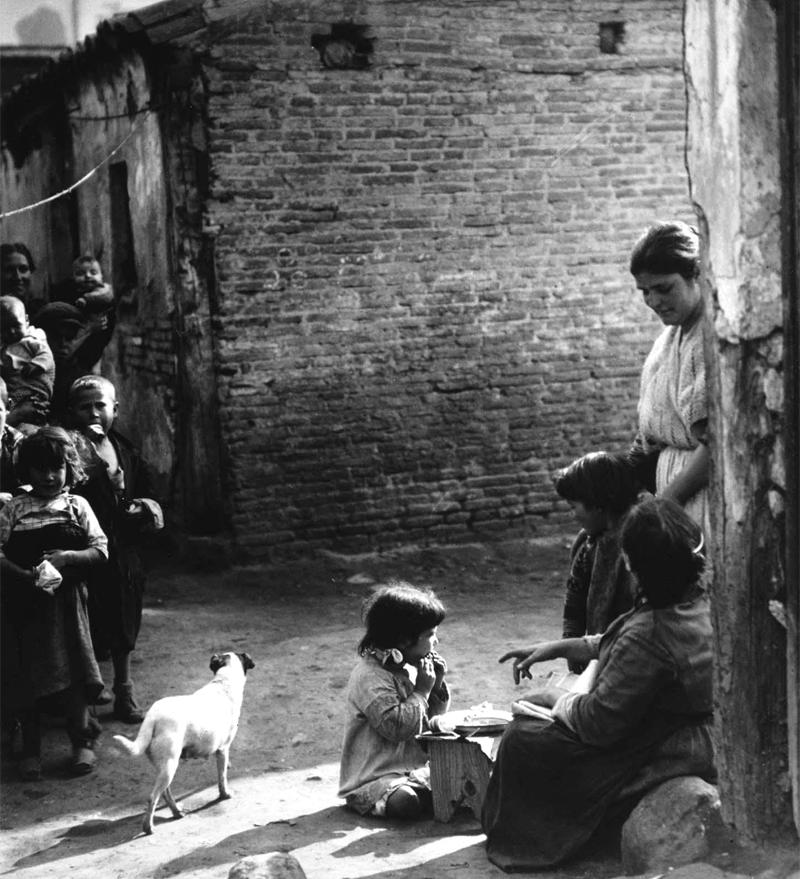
(460, 770)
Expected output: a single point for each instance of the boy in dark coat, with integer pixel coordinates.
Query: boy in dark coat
(118, 488)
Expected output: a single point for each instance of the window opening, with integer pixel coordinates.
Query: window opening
(346, 47)
(612, 36)
(123, 258)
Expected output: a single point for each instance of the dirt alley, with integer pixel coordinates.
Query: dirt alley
(300, 623)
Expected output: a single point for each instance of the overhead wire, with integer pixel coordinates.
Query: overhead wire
(77, 183)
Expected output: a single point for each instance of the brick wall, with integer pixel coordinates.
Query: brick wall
(424, 305)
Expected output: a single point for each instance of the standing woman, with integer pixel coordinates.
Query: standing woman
(673, 409)
(16, 273)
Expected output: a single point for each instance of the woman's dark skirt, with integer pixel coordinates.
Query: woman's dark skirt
(549, 792)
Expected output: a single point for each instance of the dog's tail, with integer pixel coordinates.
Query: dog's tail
(138, 746)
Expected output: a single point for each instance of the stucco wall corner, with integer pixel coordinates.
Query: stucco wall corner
(733, 170)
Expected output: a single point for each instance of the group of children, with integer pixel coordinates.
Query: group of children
(41, 354)
(398, 688)
(75, 498)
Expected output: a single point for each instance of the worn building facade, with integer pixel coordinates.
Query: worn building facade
(371, 256)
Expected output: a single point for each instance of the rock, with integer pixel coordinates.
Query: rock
(274, 865)
(673, 824)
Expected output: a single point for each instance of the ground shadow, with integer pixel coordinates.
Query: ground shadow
(89, 836)
(98, 833)
(382, 839)
(283, 835)
(402, 837)
(454, 865)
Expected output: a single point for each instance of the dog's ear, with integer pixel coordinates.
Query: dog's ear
(216, 663)
(247, 662)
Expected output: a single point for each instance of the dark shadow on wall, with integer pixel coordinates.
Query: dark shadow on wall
(43, 27)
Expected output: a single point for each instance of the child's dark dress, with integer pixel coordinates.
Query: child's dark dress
(116, 590)
(46, 644)
(599, 587)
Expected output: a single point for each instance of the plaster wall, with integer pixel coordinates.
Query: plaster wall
(734, 165)
(45, 230)
(101, 132)
(140, 358)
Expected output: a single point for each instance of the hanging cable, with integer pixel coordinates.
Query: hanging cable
(126, 115)
(77, 183)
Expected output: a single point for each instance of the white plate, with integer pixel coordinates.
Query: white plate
(475, 720)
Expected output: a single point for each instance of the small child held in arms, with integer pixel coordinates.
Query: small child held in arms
(601, 488)
(79, 322)
(87, 290)
(384, 771)
(27, 366)
(119, 489)
(49, 539)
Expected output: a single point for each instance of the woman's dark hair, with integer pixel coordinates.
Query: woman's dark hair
(16, 247)
(599, 479)
(666, 248)
(665, 549)
(398, 613)
(49, 447)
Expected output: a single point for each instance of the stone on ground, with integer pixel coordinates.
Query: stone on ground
(273, 865)
(673, 824)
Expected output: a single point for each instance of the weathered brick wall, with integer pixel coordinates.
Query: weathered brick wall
(424, 306)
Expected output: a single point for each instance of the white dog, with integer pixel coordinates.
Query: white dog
(197, 725)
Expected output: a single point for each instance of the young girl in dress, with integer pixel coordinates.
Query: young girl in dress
(396, 687)
(48, 539)
(600, 487)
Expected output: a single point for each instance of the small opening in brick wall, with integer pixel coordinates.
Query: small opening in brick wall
(346, 47)
(612, 36)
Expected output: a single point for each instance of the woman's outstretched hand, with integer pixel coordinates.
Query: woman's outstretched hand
(524, 657)
(571, 649)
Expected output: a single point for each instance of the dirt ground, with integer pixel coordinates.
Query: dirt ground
(300, 623)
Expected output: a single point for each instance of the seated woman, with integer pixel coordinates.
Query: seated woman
(646, 718)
